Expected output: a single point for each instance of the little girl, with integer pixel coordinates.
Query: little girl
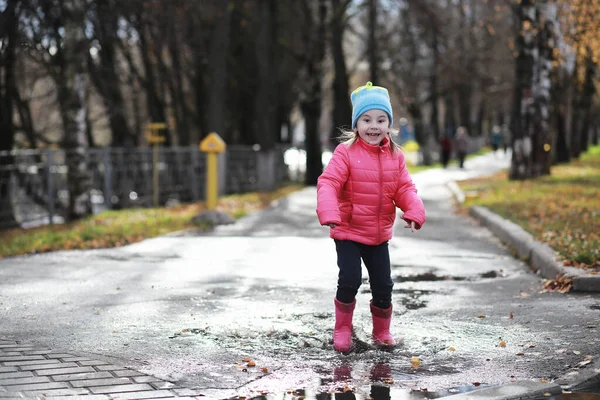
(357, 195)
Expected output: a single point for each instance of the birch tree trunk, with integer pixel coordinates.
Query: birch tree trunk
(71, 93)
(535, 41)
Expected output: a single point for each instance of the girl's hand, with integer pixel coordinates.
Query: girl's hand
(332, 226)
(410, 224)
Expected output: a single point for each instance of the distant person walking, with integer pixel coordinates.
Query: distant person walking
(506, 138)
(462, 145)
(496, 139)
(445, 150)
(357, 195)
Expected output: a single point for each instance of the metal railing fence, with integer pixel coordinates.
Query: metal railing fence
(33, 183)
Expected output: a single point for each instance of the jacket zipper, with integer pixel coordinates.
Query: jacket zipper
(380, 196)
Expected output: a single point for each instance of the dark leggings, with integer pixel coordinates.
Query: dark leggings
(377, 262)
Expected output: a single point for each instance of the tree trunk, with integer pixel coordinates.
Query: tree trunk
(311, 103)
(26, 119)
(266, 103)
(523, 99)
(464, 88)
(373, 48)
(71, 94)
(588, 92)
(433, 87)
(542, 157)
(449, 116)
(155, 104)
(217, 71)
(182, 126)
(342, 107)
(559, 105)
(105, 77)
(8, 43)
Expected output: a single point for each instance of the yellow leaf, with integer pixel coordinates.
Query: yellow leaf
(415, 362)
(481, 316)
(502, 343)
(451, 348)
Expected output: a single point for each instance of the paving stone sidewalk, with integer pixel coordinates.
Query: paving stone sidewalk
(32, 372)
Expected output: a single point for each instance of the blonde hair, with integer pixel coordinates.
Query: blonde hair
(348, 137)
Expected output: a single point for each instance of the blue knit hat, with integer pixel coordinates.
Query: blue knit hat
(370, 97)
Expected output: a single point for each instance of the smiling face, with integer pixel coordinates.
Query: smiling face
(373, 126)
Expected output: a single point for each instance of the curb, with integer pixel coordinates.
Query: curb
(540, 256)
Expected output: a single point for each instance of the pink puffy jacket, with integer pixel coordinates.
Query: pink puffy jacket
(360, 189)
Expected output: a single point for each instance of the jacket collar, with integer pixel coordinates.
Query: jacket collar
(384, 144)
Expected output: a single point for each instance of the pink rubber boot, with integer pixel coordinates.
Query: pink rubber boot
(342, 332)
(381, 326)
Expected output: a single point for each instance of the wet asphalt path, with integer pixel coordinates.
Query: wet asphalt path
(188, 309)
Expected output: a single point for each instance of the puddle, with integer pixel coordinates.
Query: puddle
(346, 391)
(411, 299)
(427, 277)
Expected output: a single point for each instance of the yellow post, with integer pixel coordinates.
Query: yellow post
(212, 144)
(155, 138)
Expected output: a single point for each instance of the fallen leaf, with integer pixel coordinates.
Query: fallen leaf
(544, 380)
(547, 394)
(451, 348)
(246, 359)
(476, 383)
(264, 369)
(481, 316)
(584, 363)
(511, 315)
(502, 343)
(251, 364)
(520, 353)
(576, 352)
(415, 362)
